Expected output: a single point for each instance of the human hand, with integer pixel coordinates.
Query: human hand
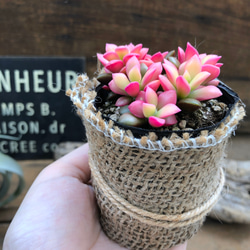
(60, 211)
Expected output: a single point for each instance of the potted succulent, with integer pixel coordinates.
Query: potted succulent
(157, 127)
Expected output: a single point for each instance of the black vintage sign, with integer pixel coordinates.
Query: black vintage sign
(35, 113)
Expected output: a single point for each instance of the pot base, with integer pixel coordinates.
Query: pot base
(135, 228)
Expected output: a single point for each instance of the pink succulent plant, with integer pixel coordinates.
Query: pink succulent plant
(130, 84)
(115, 57)
(209, 63)
(147, 94)
(158, 108)
(157, 57)
(194, 80)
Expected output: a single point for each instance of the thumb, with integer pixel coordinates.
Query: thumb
(74, 164)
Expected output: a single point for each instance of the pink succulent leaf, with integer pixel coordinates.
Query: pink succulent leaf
(122, 51)
(132, 62)
(106, 87)
(205, 93)
(211, 59)
(148, 109)
(170, 120)
(102, 59)
(190, 52)
(110, 47)
(171, 71)
(166, 97)
(113, 87)
(147, 57)
(151, 96)
(181, 55)
(123, 101)
(111, 56)
(155, 69)
(136, 108)
(183, 87)
(114, 66)
(202, 56)
(123, 70)
(153, 85)
(137, 48)
(213, 70)
(147, 62)
(156, 122)
(187, 76)
(128, 56)
(164, 54)
(199, 79)
(148, 77)
(143, 53)
(157, 57)
(120, 80)
(134, 74)
(182, 68)
(167, 110)
(133, 89)
(214, 82)
(219, 65)
(141, 96)
(193, 66)
(131, 46)
(130, 120)
(165, 83)
(158, 71)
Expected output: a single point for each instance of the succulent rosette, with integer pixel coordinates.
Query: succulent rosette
(155, 87)
(137, 77)
(159, 108)
(116, 57)
(194, 79)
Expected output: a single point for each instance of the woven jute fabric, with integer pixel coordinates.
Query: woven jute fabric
(144, 194)
(152, 194)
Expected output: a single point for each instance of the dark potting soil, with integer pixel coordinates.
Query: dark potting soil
(211, 112)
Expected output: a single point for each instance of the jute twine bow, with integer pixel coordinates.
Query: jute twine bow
(154, 219)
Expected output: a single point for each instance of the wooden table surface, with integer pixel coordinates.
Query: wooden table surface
(213, 235)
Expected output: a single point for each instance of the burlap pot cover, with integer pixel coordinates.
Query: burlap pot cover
(152, 193)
